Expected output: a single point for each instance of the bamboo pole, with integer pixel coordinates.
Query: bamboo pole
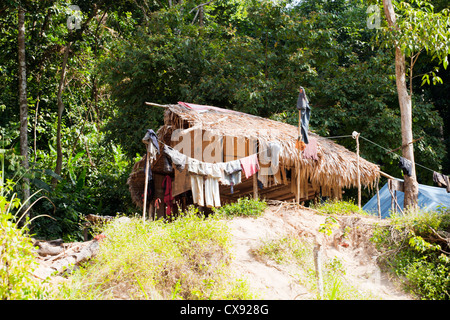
(146, 182)
(394, 199)
(297, 195)
(355, 135)
(156, 105)
(252, 147)
(378, 199)
(384, 174)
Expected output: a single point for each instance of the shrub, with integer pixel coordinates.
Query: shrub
(338, 207)
(414, 249)
(184, 259)
(242, 207)
(17, 258)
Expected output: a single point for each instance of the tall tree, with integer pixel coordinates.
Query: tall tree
(23, 103)
(419, 29)
(62, 80)
(411, 186)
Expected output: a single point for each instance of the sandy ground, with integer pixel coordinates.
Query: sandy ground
(276, 281)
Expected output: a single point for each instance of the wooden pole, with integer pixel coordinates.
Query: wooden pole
(384, 174)
(297, 196)
(318, 265)
(146, 183)
(356, 136)
(392, 197)
(255, 175)
(394, 203)
(255, 186)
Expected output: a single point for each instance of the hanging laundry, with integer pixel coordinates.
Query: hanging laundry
(441, 180)
(195, 166)
(233, 169)
(150, 135)
(178, 159)
(263, 178)
(310, 151)
(260, 184)
(167, 164)
(270, 152)
(303, 106)
(207, 167)
(204, 182)
(216, 171)
(167, 185)
(406, 166)
(152, 152)
(212, 193)
(274, 153)
(250, 165)
(197, 189)
(231, 173)
(151, 140)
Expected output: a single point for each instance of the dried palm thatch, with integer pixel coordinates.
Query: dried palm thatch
(336, 166)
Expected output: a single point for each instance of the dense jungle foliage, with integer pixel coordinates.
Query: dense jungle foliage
(247, 55)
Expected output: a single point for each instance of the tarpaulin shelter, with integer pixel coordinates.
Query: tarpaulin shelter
(430, 198)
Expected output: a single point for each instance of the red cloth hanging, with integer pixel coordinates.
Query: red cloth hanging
(250, 165)
(310, 151)
(167, 184)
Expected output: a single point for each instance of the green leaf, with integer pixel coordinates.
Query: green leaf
(41, 184)
(53, 174)
(81, 181)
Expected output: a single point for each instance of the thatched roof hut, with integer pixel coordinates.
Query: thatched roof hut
(334, 168)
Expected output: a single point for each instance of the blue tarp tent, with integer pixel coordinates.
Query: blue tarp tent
(429, 199)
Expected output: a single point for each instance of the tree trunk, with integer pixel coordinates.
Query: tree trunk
(411, 187)
(61, 85)
(23, 104)
(62, 81)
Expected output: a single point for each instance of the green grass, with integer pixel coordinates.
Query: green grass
(338, 207)
(184, 259)
(244, 207)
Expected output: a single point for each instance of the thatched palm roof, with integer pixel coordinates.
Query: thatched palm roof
(336, 166)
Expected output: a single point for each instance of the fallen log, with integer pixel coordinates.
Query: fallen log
(74, 256)
(52, 247)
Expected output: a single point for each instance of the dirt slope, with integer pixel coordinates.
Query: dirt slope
(275, 281)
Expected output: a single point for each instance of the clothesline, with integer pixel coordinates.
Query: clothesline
(418, 164)
(347, 136)
(261, 151)
(336, 137)
(387, 150)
